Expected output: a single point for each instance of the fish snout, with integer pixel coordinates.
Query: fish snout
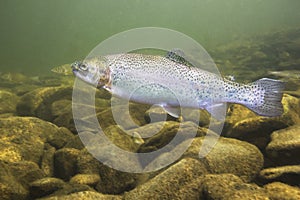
(75, 66)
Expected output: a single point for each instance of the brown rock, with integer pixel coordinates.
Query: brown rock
(229, 156)
(85, 195)
(257, 130)
(26, 172)
(47, 161)
(284, 147)
(286, 174)
(160, 134)
(45, 186)
(10, 188)
(21, 138)
(86, 179)
(281, 191)
(230, 187)
(65, 162)
(8, 102)
(38, 102)
(167, 184)
(111, 181)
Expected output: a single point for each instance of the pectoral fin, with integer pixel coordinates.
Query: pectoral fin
(173, 111)
(217, 111)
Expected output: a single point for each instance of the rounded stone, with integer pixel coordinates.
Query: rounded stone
(229, 156)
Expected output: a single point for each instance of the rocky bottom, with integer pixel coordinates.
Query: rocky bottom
(42, 156)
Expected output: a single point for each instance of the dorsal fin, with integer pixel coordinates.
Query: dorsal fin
(178, 56)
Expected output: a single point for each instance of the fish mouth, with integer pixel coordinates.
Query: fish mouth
(77, 70)
(75, 66)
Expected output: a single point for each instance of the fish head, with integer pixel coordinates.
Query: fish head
(93, 71)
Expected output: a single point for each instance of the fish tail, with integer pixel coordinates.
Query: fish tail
(269, 95)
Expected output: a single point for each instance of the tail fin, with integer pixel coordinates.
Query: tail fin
(272, 105)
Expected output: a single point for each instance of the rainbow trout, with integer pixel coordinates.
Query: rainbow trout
(171, 82)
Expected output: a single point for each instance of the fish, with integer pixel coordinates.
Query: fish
(63, 70)
(154, 79)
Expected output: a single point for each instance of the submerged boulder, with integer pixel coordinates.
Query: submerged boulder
(10, 188)
(281, 191)
(84, 195)
(287, 174)
(111, 180)
(257, 129)
(25, 138)
(230, 187)
(285, 146)
(45, 186)
(8, 102)
(38, 102)
(229, 156)
(168, 183)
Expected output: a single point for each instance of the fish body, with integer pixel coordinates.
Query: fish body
(162, 81)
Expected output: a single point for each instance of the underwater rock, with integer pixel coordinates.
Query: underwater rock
(168, 183)
(229, 156)
(26, 172)
(256, 130)
(116, 182)
(75, 143)
(230, 187)
(65, 120)
(47, 161)
(22, 89)
(286, 174)
(10, 188)
(192, 190)
(121, 138)
(86, 179)
(172, 136)
(281, 191)
(65, 117)
(291, 107)
(45, 186)
(54, 80)
(61, 106)
(38, 102)
(8, 102)
(23, 138)
(111, 181)
(11, 79)
(285, 146)
(122, 116)
(159, 134)
(236, 113)
(84, 195)
(69, 188)
(87, 164)
(65, 160)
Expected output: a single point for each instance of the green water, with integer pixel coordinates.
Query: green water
(37, 35)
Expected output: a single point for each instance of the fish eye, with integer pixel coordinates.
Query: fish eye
(83, 67)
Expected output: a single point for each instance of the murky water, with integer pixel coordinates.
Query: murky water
(37, 35)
